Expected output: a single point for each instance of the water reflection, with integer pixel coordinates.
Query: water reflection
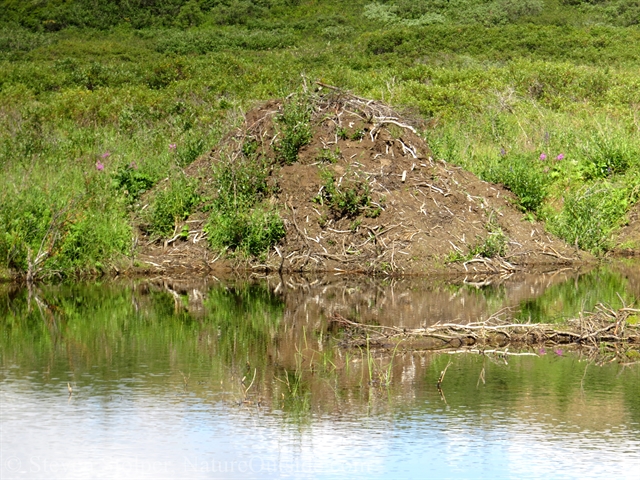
(243, 379)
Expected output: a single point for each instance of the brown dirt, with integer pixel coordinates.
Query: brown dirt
(628, 239)
(429, 209)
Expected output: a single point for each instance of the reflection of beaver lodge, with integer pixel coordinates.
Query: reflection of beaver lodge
(362, 192)
(605, 334)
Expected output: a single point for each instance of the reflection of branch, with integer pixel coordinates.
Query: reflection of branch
(43, 307)
(185, 379)
(442, 397)
(251, 384)
(442, 374)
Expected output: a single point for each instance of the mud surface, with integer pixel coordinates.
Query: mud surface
(420, 212)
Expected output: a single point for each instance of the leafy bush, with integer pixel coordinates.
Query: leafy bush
(590, 215)
(190, 15)
(607, 155)
(523, 176)
(252, 232)
(24, 220)
(206, 41)
(19, 40)
(166, 73)
(241, 220)
(239, 183)
(295, 129)
(131, 182)
(326, 155)
(487, 12)
(493, 245)
(237, 12)
(192, 148)
(348, 199)
(91, 241)
(388, 41)
(172, 205)
(70, 233)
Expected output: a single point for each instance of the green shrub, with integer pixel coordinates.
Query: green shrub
(589, 216)
(606, 155)
(523, 176)
(294, 128)
(131, 182)
(326, 155)
(349, 199)
(18, 40)
(494, 245)
(240, 183)
(190, 15)
(190, 150)
(241, 219)
(166, 73)
(72, 234)
(388, 41)
(252, 232)
(24, 220)
(237, 12)
(91, 241)
(173, 205)
(206, 41)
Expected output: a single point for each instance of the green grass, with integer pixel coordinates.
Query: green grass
(540, 76)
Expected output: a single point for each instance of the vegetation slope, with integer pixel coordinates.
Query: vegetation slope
(100, 101)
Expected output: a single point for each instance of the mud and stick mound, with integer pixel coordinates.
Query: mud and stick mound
(366, 195)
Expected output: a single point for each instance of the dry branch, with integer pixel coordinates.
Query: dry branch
(605, 328)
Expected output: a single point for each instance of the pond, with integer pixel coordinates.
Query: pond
(245, 378)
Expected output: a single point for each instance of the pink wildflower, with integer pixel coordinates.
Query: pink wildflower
(558, 352)
(133, 165)
(106, 154)
(99, 166)
(172, 146)
(543, 156)
(560, 157)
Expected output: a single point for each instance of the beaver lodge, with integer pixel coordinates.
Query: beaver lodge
(328, 181)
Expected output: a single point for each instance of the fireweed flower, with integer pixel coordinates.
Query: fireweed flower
(542, 351)
(106, 154)
(559, 352)
(99, 166)
(172, 146)
(543, 156)
(560, 157)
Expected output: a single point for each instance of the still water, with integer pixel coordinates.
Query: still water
(244, 378)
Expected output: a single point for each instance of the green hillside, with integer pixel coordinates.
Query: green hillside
(100, 100)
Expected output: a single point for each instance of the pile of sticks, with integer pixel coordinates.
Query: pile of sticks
(603, 329)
